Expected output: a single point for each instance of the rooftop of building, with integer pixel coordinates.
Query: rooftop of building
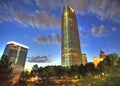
(15, 43)
(70, 8)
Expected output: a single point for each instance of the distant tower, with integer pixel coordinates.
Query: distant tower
(84, 58)
(70, 47)
(17, 54)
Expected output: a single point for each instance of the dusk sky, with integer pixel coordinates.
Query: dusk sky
(37, 24)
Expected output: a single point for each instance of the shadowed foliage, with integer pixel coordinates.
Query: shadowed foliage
(6, 71)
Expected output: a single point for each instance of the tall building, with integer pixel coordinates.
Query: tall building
(17, 54)
(70, 46)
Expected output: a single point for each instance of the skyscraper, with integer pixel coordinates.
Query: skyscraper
(17, 54)
(70, 50)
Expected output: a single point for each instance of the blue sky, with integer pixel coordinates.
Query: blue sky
(37, 24)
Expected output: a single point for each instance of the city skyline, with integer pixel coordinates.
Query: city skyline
(36, 23)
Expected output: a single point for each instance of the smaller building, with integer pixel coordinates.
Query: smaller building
(84, 58)
(97, 60)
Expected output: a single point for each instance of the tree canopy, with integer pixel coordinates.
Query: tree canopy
(6, 71)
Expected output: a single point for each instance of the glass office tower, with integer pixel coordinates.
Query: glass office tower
(17, 54)
(70, 47)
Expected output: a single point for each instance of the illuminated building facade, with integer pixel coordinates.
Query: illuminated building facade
(17, 54)
(98, 60)
(70, 46)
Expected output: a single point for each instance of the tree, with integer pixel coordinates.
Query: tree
(119, 62)
(81, 70)
(50, 70)
(6, 71)
(60, 71)
(112, 59)
(23, 78)
(34, 70)
(44, 74)
(110, 69)
(74, 70)
(90, 68)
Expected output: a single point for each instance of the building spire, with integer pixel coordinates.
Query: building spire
(66, 3)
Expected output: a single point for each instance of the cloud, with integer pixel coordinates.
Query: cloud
(39, 59)
(54, 38)
(28, 2)
(43, 39)
(114, 29)
(49, 4)
(20, 16)
(37, 19)
(19, 11)
(4, 12)
(98, 31)
(83, 43)
(104, 9)
(107, 49)
(85, 33)
(80, 5)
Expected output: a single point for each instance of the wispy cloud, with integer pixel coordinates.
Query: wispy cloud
(104, 9)
(83, 43)
(54, 38)
(85, 33)
(114, 29)
(39, 59)
(49, 4)
(37, 19)
(99, 31)
(18, 10)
